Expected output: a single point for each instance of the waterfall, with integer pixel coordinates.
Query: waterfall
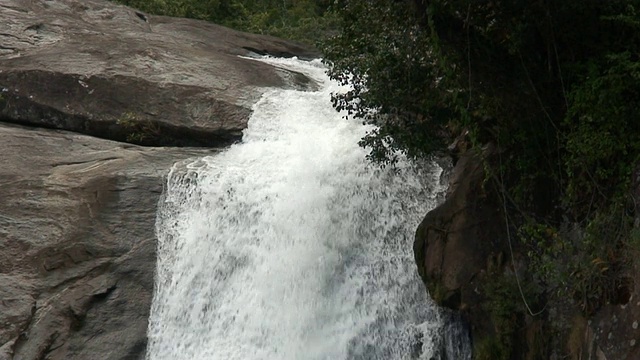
(290, 245)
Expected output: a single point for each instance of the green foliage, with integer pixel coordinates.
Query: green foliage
(502, 305)
(491, 348)
(583, 264)
(526, 75)
(304, 20)
(138, 131)
(505, 308)
(603, 131)
(554, 84)
(197, 9)
(396, 72)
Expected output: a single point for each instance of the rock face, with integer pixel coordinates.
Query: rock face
(463, 256)
(458, 241)
(77, 243)
(77, 213)
(452, 242)
(102, 69)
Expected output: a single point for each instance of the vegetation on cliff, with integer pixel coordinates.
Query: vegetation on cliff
(554, 84)
(303, 20)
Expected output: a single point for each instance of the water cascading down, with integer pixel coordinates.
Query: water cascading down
(291, 246)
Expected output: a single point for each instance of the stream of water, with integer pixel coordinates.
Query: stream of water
(291, 246)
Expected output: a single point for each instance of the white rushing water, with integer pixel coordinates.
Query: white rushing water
(290, 246)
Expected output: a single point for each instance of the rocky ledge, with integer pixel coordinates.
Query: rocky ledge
(107, 70)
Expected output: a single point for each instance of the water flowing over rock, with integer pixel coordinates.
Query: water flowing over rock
(290, 245)
(105, 70)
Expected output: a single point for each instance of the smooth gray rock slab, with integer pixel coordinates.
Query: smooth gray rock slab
(77, 243)
(98, 68)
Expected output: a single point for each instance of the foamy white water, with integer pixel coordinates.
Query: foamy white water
(290, 246)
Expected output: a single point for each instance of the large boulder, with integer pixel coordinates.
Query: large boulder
(77, 243)
(463, 256)
(456, 240)
(106, 70)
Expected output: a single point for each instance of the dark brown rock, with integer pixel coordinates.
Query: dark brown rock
(456, 240)
(98, 68)
(77, 243)
(462, 251)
